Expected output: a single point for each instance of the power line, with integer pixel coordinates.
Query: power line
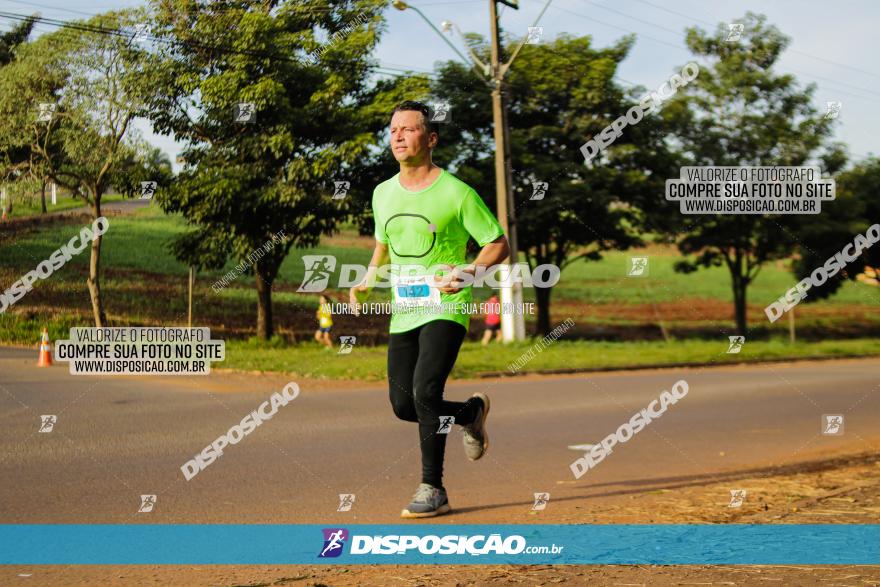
(792, 50)
(642, 35)
(119, 32)
(78, 26)
(870, 91)
(859, 97)
(126, 34)
(380, 69)
(50, 7)
(614, 26)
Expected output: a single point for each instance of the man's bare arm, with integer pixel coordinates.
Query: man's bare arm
(380, 257)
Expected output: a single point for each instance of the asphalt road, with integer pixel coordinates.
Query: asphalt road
(119, 437)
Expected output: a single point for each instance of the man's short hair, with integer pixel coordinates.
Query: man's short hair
(426, 114)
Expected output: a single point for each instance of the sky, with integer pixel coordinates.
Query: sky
(831, 48)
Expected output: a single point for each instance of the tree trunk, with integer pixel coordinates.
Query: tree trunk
(265, 328)
(43, 209)
(542, 299)
(739, 303)
(94, 280)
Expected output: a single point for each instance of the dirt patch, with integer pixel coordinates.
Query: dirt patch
(842, 489)
(350, 239)
(448, 576)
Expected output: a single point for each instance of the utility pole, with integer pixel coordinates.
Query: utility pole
(512, 325)
(192, 283)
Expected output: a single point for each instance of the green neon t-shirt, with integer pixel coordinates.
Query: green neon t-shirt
(427, 228)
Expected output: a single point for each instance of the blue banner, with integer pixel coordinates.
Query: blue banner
(661, 544)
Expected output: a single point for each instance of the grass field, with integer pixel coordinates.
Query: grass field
(31, 206)
(368, 363)
(144, 284)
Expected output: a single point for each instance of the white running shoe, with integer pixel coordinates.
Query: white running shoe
(475, 437)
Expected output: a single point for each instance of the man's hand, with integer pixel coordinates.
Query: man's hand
(357, 295)
(456, 281)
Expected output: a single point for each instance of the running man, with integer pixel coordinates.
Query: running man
(424, 217)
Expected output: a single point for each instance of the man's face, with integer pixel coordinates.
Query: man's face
(410, 141)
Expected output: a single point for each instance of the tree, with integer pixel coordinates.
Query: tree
(93, 76)
(244, 181)
(851, 213)
(142, 164)
(11, 39)
(738, 112)
(560, 94)
(11, 158)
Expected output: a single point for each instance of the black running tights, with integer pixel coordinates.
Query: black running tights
(419, 361)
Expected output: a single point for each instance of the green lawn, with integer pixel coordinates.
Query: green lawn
(140, 242)
(368, 363)
(144, 284)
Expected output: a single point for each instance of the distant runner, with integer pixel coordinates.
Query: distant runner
(424, 216)
(493, 320)
(325, 322)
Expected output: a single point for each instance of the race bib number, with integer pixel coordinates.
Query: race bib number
(413, 292)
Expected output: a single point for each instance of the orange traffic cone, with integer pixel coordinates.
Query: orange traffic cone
(45, 353)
